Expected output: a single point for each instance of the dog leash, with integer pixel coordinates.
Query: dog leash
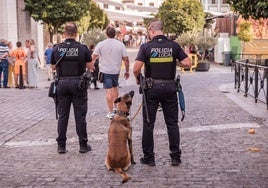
(136, 113)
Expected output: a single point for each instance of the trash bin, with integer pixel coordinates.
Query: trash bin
(226, 58)
(266, 62)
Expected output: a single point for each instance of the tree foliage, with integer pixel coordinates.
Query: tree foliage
(98, 18)
(95, 18)
(179, 16)
(245, 32)
(55, 13)
(255, 9)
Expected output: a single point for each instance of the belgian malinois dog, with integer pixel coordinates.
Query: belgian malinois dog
(120, 156)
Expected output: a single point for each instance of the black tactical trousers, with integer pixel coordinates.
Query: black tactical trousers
(166, 95)
(67, 94)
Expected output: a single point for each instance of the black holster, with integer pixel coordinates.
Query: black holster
(85, 80)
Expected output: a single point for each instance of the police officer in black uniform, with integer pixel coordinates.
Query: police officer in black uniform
(70, 59)
(160, 57)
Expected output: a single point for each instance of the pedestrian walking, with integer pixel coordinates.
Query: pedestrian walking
(160, 56)
(20, 57)
(70, 59)
(3, 63)
(111, 52)
(96, 70)
(47, 55)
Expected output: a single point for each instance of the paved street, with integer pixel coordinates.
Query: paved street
(217, 150)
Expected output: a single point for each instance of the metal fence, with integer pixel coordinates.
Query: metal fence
(251, 77)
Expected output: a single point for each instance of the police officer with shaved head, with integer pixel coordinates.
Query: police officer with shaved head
(71, 59)
(160, 57)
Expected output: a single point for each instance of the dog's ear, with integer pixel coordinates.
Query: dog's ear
(131, 93)
(117, 100)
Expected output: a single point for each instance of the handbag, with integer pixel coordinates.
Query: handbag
(100, 77)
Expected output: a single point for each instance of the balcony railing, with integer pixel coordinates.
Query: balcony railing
(251, 77)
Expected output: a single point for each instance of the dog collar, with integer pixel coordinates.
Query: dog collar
(121, 113)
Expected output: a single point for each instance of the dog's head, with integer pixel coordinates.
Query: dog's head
(124, 102)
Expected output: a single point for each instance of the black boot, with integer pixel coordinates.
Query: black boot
(84, 148)
(175, 159)
(61, 149)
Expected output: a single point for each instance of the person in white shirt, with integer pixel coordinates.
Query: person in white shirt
(111, 52)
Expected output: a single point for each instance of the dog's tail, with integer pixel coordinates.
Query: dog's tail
(124, 175)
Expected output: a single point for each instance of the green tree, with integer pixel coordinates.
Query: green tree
(255, 9)
(83, 24)
(245, 33)
(55, 13)
(98, 17)
(179, 16)
(95, 18)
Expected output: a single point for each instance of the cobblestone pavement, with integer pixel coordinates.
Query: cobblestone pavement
(217, 149)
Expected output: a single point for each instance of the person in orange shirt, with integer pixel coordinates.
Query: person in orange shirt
(20, 55)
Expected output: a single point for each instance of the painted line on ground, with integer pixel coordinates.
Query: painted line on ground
(136, 134)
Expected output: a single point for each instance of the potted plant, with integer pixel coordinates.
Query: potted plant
(189, 41)
(202, 43)
(189, 38)
(205, 43)
(93, 36)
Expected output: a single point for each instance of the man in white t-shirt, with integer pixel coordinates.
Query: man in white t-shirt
(111, 52)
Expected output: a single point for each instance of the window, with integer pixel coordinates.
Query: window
(151, 4)
(117, 8)
(106, 6)
(140, 4)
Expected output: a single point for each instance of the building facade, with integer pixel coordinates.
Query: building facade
(17, 25)
(215, 6)
(128, 11)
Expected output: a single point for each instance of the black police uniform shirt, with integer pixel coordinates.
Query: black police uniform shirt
(159, 56)
(75, 56)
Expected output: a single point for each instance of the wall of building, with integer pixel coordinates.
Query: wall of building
(17, 25)
(8, 20)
